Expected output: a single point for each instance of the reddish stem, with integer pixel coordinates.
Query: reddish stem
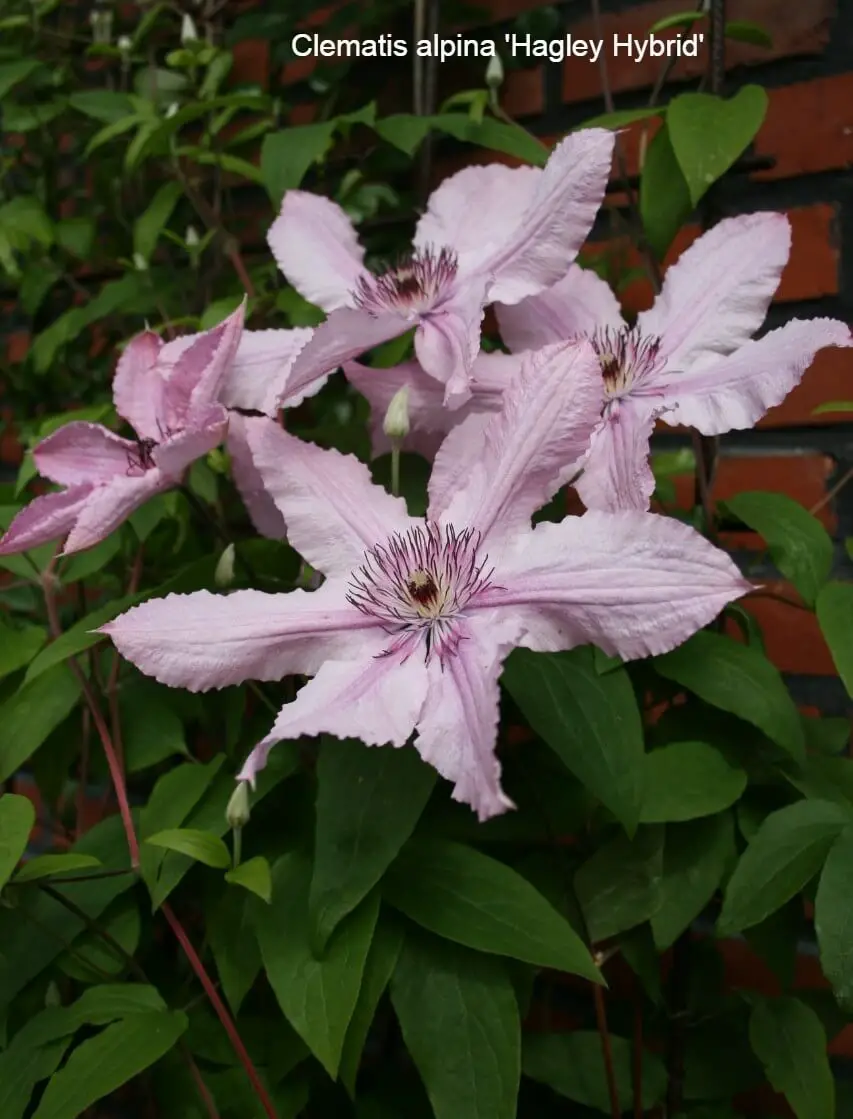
(638, 1058)
(607, 1050)
(220, 1008)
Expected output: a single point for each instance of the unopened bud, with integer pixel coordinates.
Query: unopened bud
(396, 422)
(52, 997)
(223, 576)
(191, 237)
(189, 34)
(124, 44)
(172, 109)
(140, 263)
(101, 20)
(495, 72)
(237, 813)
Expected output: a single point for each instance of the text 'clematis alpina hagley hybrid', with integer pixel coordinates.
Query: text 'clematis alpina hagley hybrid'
(168, 393)
(690, 359)
(409, 631)
(488, 234)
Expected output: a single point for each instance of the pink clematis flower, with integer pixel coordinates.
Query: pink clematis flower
(409, 631)
(689, 360)
(168, 393)
(489, 234)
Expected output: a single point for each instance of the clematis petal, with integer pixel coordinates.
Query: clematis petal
(456, 461)
(317, 249)
(81, 452)
(580, 303)
(196, 378)
(617, 474)
(539, 249)
(346, 334)
(375, 698)
(473, 210)
(261, 368)
(448, 340)
(490, 373)
(736, 392)
(333, 510)
(715, 296)
(634, 584)
(138, 385)
(261, 508)
(457, 731)
(174, 455)
(110, 505)
(531, 447)
(45, 518)
(202, 640)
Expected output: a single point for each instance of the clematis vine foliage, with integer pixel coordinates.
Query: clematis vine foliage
(386, 722)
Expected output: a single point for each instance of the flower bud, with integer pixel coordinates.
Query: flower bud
(124, 44)
(396, 422)
(223, 576)
(172, 109)
(191, 237)
(495, 72)
(101, 20)
(237, 813)
(189, 34)
(140, 263)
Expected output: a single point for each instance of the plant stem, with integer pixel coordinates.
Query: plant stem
(607, 1050)
(221, 1011)
(845, 478)
(395, 469)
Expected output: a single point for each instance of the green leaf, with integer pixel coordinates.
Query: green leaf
(799, 545)
(590, 720)
(114, 129)
(833, 406)
(621, 117)
(739, 679)
(786, 852)
(17, 819)
(665, 202)
(231, 163)
(696, 856)
(287, 155)
(404, 131)
(24, 220)
(198, 845)
(253, 875)
(317, 996)
(47, 866)
(709, 133)
(460, 1021)
(496, 135)
(368, 803)
(572, 1064)
(101, 1064)
(13, 73)
(33, 712)
(19, 646)
(150, 224)
(679, 19)
(833, 918)
(102, 104)
(381, 961)
(465, 896)
(618, 887)
(685, 780)
(789, 1040)
(82, 565)
(151, 728)
(234, 946)
(76, 237)
(745, 31)
(835, 616)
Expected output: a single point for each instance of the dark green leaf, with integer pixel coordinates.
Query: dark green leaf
(151, 728)
(234, 946)
(835, 615)
(47, 866)
(834, 918)
(17, 817)
(462, 895)
(573, 1065)
(84, 564)
(686, 780)
(101, 1064)
(12, 73)
(799, 545)
(664, 195)
(745, 31)
(618, 887)
(622, 117)
(317, 996)
(102, 104)
(287, 155)
(709, 133)
(739, 679)
(789, 1040)
(149, 225)
(29, 715)
(696, 856)
(590, 720)
(460, 1022)
(786, 852)
(368, 802)
(19, 646)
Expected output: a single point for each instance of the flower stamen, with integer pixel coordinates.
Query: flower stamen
(414, 286)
